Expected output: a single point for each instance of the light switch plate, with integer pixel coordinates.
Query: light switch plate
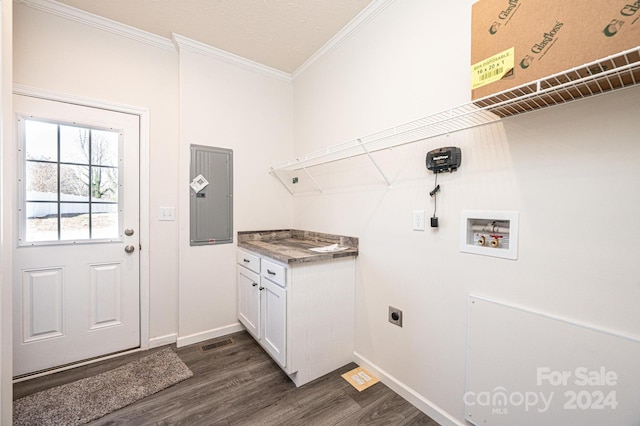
(166, 213)
(418, 220)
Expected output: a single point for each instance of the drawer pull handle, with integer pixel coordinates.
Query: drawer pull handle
(270, 272)
(246, 260)
(254, 284)
(261, 288)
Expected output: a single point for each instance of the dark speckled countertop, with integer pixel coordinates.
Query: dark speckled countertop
(292, 245)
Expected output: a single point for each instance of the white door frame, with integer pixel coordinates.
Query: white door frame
(143, 114)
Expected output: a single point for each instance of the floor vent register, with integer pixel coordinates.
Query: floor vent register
(216, 345)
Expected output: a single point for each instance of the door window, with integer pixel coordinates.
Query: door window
(70, 182)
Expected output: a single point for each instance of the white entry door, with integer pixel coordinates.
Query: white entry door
(76, 263)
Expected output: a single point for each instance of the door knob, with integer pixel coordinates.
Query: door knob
(128, 232)
(129, 249)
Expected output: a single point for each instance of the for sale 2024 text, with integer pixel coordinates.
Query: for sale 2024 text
(588, 397)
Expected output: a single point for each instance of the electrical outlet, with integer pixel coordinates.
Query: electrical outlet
(395, 316)
(418, 220)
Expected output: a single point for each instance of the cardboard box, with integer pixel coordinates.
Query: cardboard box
(514, 42)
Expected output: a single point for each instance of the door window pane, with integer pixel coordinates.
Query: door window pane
(104, 183)
(41, 140)
(74, 144)
(74, 183)
(104, 221)
(74, 221)
(71, 182)
(41, 221)
(104, 148)
(41, 181)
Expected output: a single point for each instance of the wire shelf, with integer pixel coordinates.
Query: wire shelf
(606, 75)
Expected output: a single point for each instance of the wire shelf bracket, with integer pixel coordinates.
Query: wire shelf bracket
(315, 182)
(364, 147)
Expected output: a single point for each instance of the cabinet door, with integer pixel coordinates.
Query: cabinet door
(274, 317)
(249, 300)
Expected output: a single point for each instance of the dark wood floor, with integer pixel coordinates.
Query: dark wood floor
(239, 384)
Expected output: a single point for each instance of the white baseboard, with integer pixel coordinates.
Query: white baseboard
(163, 340)
(420, 402)
(209, 334)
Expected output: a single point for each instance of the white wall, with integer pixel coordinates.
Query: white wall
(229, 106)
(6, 240)
(61, 55)
(571, 172)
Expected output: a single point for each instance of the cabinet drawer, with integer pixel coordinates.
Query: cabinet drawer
(249, 261)
(274, 272)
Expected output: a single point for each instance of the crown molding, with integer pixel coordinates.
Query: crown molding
(355, 25)
(180, 42)
(77, 15)
(185, 43)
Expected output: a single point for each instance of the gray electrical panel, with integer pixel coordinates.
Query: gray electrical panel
(211, 195)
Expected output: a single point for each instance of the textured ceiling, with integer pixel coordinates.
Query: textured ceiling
(277, 33)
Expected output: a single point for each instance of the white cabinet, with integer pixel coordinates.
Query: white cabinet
(262, 303)
(274, 318)
(249, 301)
(302, 314)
